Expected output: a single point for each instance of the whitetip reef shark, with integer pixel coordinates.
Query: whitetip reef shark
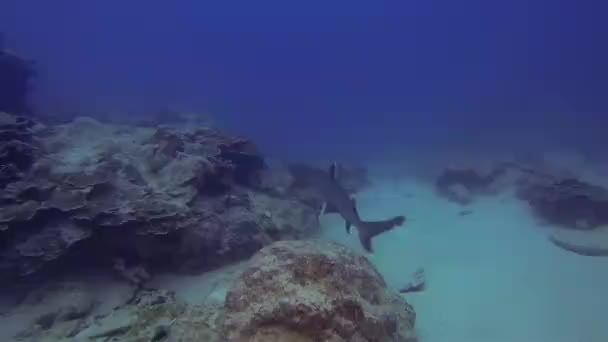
(338, 200)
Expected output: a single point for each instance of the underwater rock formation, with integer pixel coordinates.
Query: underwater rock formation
(314, 291)
(18, 147)
(568, 202)
(87, 193)
(290, 291)
(462, 185)
(154, 315)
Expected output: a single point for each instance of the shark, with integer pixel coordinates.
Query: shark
(336, 199)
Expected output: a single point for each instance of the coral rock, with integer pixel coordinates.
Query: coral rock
(87, 193)
(314, 291)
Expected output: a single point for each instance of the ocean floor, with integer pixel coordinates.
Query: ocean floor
(492, 275)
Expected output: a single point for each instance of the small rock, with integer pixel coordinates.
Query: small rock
(162, 331)
(465, 212)
(417, 284)
(46, 321)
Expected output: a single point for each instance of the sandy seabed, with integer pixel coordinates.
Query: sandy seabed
(492, 275)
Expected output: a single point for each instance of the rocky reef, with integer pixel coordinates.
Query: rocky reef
(576, 208)
(570, 202)
(564, 201)
(85, 194)
(462, 185)
(289, 291)
(128, 202)
(314, 291)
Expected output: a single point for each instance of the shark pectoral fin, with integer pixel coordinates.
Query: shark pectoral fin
(347, 225)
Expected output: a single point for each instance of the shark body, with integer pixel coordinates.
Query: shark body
(338, 200)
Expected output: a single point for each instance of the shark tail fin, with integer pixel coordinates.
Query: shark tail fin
(368, 230)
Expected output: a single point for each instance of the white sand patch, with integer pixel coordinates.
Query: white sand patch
(204, 288)
(107, 292)
(491, 275)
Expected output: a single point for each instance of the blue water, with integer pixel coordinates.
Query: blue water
(357, 76)
(368, 82)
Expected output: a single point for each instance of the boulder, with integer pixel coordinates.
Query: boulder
(314, 291)
(569, 203)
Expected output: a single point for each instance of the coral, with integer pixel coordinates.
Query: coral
(160, 198)
(314, 291)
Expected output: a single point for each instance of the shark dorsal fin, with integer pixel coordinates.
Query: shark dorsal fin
(333, 171)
